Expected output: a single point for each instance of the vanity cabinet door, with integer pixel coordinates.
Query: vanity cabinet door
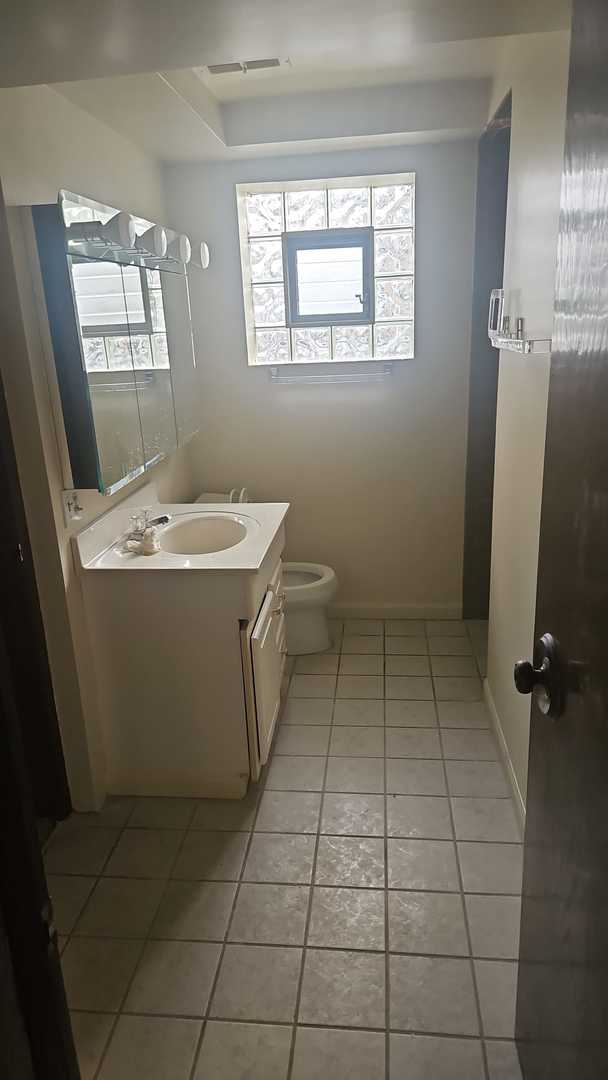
(268, 657)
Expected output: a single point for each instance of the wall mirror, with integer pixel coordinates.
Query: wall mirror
(117, 298)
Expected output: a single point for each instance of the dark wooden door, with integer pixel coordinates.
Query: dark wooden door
(25, 643)
(490, 224)
(15, 1056)
(562, 1006)
(31, 955)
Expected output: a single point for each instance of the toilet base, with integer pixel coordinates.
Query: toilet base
(307, 630)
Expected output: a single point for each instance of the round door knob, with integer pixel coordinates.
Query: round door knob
(544, 677)
(527, 676)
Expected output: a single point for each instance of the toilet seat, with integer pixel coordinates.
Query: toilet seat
(308, 583)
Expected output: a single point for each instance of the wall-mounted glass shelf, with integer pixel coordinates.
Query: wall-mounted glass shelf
(523, 345)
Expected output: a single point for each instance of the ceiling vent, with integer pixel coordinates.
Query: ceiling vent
(223, 69)
(244, 66)
(255, 65)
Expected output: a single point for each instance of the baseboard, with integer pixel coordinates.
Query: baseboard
(520, 805)
(395, 611)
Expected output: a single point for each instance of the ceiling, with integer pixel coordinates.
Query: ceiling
(352, 72)
(69, 40)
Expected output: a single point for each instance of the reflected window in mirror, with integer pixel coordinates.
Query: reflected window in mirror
(121, 314)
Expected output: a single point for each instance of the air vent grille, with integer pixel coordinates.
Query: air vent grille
(243, 66)
(223, 69)
(255, 65)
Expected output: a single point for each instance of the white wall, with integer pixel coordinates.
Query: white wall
(536, 68)
(47, 143)
(374, 472)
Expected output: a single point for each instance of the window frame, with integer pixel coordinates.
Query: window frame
(325, 239)
(390, 338)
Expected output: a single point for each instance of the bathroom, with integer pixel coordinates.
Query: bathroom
(283, 729)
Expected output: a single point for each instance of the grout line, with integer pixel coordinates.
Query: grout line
(296, 1014)
(251, 831)
(468, 933)
(71, 935)
(224, 943)
(387, 969)
(333, 1027)
(145, 940)
(296, 884)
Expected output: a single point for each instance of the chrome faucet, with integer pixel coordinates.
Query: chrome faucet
(141, 521)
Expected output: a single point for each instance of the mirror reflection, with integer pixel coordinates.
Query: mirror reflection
(126, 370)
(126, 357)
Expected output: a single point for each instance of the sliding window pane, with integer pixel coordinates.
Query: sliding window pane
(330, 280)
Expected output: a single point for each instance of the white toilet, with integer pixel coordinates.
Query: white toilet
(308, 588)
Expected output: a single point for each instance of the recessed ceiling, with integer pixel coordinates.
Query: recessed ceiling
(331, 71)
(174, 117)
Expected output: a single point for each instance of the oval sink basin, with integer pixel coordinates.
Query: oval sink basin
(202, 534)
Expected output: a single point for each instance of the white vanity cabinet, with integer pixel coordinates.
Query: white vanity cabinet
(189, 661)
(263, 648)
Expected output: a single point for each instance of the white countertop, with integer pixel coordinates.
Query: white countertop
(101, 545)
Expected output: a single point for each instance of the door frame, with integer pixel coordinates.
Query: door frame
(488, 269)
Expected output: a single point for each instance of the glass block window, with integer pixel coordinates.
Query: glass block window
(328, 269)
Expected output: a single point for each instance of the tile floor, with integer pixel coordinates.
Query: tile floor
(356, 916)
